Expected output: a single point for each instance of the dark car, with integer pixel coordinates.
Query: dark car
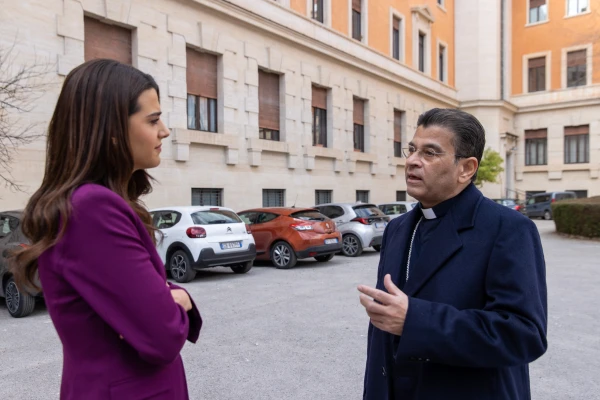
(19, 303)
(510, 203)
(539, 205)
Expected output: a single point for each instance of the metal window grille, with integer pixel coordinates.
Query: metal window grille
(207, 197)
(323, 196)
(273, 197)
(400, 195)
(362, 196)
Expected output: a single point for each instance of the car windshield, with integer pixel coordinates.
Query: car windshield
(309, 215)
(367, 211)
(211, 217)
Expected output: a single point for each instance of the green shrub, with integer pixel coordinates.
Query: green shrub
(579, 217)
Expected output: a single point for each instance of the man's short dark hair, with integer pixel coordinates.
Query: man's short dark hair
(469, 135)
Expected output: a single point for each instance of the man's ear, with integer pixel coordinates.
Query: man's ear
(468, 169)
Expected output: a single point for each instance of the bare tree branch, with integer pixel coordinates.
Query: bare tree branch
(21, 85)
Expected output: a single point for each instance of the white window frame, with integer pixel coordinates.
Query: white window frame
(526, 58)
(326, 12)
(588, 11)
(442, 5)
(527, 23)
(589, 48)
(364, 20)
(396, 14)
(285, 3)
(421, 24)
(441, 43)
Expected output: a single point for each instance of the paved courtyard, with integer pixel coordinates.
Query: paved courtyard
(301, 334)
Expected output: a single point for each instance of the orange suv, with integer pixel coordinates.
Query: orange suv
(285, 234)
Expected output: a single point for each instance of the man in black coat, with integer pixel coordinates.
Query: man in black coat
(460, 307)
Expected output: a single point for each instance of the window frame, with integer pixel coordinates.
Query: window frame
(548, 71)
(278, 192)
(219, 192)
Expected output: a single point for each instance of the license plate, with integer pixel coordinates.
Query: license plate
(331, 241)
(380, 224)
(231, 245)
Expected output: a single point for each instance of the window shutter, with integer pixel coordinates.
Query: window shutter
(268, 100)
(575, 58)
(356, 5)
(537, 62)
(319, 97)
(359, 111)
(106, 41)
(396, 23)
(397, 126)
(201, 74)
(536, 3)
(536, 133)
(577, 130)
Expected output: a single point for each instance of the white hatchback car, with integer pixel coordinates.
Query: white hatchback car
(199, 237)
(395, 209)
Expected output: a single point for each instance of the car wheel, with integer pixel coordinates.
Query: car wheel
(242, 268)
(19, 304)
(547, 215)
(181, 267)
(283, 256)
(351, 246)
(377, 247)
(324, 258)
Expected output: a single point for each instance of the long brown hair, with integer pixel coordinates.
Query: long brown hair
(88, 142)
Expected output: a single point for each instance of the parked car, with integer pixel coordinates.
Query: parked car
(19, 303)
(361, 225)
(286, 234)
(510, 203)
(538, 205)
(200, 237)
(395, 209)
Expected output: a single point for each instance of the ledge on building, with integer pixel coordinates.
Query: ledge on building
(182, 138)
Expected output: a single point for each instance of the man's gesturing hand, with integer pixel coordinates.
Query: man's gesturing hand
(388, 312)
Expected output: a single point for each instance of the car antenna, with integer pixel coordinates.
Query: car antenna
(294, 206)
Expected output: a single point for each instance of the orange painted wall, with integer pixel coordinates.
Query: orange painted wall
(299, 6)
(379, 36)
(339, 16)
(558, 33)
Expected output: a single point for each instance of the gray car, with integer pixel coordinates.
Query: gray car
(19, 303)
(361, 225)
(539, 205)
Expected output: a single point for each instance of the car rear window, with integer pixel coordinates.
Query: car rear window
(212, 217)
(309, 215)
(367, 211)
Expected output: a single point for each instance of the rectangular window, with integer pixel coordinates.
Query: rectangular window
(442, 63)
(268, 105)
(538, 11)
(536, 147)
(537, 74)
(356, 19)
(440, 2)
(323, 196)
(317, 10)
(577, 144)
(362, 196)
(201, 76)
(400, 195)
(319, 108)
(581, 194)
(273, 197)
(106, 41)
(359, 125)
(396, 38)
(398, 119)
(576, 68)
(575, 7)
(207, 197)
(421, 52)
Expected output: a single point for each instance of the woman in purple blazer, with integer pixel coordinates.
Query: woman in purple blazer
(121, 324)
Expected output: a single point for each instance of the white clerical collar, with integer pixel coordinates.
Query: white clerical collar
(428, 213)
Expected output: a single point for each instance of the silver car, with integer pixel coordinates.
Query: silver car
(395, 209)
(361, 225)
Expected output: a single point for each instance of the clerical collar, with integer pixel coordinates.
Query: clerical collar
(439, 210)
